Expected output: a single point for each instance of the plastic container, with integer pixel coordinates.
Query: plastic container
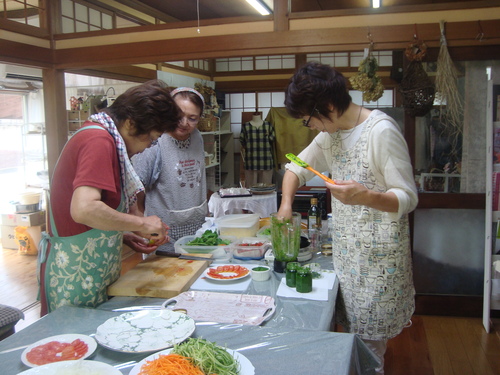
(218, 252)
(238, 225)
(264, 232)
(250, 248)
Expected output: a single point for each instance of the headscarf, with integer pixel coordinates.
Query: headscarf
(130, 181)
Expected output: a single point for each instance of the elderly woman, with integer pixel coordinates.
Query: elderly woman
(374, 191)
(93, 198)
(173, 172)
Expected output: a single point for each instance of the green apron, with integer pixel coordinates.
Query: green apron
(79, 268)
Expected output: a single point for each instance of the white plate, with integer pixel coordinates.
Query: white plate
(246, 367)
(226, 274)
(144, 331)
(73, 368)
(67, 338)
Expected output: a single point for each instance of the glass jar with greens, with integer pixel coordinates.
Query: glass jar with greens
(303, 280)
(291, 273)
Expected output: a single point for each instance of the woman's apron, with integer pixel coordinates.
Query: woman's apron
(371, 254)
(78, 269)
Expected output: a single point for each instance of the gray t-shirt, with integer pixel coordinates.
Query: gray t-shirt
(173, 173)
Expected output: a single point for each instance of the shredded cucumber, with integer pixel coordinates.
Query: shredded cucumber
(209, 357)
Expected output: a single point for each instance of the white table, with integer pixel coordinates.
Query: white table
(261, 204)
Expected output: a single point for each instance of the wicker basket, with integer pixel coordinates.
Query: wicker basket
(417, 89)
(207, 124)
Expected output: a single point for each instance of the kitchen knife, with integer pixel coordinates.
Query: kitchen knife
(181, 256)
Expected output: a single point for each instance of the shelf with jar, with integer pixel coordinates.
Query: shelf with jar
(218, 142)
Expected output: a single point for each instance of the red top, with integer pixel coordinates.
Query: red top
(88, 159)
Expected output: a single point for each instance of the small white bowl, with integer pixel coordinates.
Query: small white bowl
(260, 275)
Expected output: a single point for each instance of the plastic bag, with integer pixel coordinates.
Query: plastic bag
(26, 244)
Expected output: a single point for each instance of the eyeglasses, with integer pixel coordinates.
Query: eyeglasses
(306, 122)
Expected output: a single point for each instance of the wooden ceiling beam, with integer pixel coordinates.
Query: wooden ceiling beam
(458, 34)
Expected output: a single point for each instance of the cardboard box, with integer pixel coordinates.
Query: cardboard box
(9, 235)
(26, 220)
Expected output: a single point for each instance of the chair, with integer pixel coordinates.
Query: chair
(9, 316)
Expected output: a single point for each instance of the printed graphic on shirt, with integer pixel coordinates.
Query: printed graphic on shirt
(188, 173)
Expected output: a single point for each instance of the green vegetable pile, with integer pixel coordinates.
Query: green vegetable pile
(208, 238)
(210, 358)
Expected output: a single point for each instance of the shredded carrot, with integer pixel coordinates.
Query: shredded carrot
(171, 364)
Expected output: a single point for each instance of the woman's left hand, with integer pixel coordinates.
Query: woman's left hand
(141, 244)
(348, 192)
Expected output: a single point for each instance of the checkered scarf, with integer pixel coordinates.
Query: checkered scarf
(131, 183)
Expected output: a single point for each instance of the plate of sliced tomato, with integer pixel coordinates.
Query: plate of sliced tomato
(58, 348)
(227, 272)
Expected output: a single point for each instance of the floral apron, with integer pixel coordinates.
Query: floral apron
(79, 268)
(371, 254)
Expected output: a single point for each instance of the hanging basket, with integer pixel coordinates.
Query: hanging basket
(417, 89)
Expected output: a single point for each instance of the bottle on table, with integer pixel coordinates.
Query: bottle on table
(314, 215)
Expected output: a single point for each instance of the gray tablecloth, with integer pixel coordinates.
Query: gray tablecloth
(271, 350)
(290, 312)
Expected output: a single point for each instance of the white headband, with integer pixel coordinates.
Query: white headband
(188, 89)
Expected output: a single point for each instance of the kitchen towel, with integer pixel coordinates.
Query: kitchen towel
(319, 290)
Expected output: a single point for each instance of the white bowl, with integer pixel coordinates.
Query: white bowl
(260, 275)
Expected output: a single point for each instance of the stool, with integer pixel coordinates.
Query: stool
(9, 316)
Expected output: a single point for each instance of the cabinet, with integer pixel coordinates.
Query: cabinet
(76, 118)
(491, 298)
(219, 148)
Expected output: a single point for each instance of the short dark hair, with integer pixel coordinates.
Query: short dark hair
(148, 106)
(319, 85)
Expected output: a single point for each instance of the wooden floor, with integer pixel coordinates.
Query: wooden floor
(433, 345)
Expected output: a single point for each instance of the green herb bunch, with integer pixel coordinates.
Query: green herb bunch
(208, 238)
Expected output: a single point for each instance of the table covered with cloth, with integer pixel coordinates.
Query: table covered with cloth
(270, 350)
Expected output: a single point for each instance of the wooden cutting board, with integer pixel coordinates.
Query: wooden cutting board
(159, 276)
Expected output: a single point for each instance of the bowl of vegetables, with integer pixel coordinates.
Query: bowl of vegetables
(208, 243)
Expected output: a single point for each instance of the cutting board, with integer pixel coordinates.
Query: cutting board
(159, 276)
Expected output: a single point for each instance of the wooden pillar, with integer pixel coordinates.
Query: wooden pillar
(56, 124)
(281, 11)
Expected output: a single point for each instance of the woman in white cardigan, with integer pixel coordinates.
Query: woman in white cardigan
(374, 191)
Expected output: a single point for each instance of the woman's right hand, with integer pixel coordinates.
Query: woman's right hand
(285, 212)
(154, 229)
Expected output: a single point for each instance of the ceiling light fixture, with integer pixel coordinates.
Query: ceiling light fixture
(375, 3)
(260, 7)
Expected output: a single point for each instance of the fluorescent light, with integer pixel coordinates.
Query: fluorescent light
(259, 7)
(375, 3)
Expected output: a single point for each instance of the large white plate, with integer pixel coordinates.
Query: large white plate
(73, 368)
(67, 338)
(144, 331)
(227, 275)
(246, 367)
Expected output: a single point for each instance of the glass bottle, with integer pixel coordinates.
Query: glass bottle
(314, 215)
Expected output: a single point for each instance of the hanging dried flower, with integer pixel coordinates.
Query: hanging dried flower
(367, 80)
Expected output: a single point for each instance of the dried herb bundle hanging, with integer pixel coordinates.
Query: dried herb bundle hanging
(367, 80)
(447, 89)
